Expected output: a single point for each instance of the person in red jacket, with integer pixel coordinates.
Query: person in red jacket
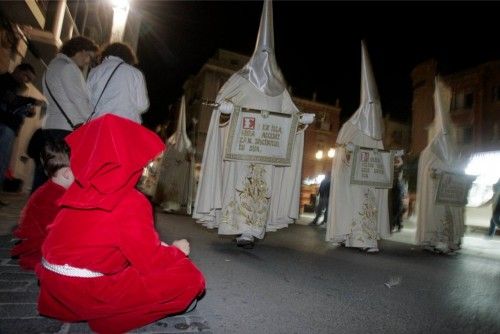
(103, 261)
(42, 206)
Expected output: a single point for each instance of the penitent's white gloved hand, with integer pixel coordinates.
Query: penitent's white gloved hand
(226, 107)
(306, 118)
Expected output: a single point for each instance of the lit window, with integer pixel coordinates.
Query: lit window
(462, 100)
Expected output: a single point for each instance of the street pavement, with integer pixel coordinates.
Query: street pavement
(295, 282)
(19, 293)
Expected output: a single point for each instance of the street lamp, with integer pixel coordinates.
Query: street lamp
(120, 14)
(120, 4)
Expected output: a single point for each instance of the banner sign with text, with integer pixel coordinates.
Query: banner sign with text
(453, 188)
(261, 136)
(372, 167)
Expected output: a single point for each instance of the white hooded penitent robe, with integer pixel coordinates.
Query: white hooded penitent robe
(358, 214)
(438, 225)
(175, 186)
(240, 197)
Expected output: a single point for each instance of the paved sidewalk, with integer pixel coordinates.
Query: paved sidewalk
(19, 293)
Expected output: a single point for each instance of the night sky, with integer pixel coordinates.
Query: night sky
(317, 44)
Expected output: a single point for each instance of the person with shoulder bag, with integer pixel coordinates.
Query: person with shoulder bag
(116, 86)
(65, 88)
(67, 94)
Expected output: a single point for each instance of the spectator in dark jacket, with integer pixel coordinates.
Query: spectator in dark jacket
(324, 195)
(13, 109)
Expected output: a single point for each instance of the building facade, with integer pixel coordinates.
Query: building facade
(474, 109)
(396, 135)
(203, 88)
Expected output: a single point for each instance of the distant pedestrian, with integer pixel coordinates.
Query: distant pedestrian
(116, 86)
(43, 205)
(396, 196)
(495, 216)
(322, 206)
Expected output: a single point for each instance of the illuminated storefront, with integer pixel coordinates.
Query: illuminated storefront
(486, 166)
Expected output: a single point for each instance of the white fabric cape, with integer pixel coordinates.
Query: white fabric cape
(222, 198)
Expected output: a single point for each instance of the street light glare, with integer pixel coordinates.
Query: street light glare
(331, 152)
(120, 15)
(120, 4)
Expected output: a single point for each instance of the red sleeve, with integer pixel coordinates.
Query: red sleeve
(139, 240)
(34, 219)
(22, 229)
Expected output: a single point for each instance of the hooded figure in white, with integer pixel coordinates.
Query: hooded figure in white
(175, 186)
(244, 198)
(358, 214)
(440, 227)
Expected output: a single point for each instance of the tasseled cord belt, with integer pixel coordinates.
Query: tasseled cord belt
(67, 270)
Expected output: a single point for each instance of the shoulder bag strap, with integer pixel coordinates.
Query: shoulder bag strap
(102, 92)
(57, 103)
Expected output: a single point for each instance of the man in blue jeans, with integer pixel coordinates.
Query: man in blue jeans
(13, 109)
(322, 207)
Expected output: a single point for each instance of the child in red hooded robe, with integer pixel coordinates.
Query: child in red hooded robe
(43, 206)
(103, 261)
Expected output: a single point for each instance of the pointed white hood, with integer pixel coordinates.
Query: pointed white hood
(262, 69)
(368, 117)
(180, 140)
(441, 144)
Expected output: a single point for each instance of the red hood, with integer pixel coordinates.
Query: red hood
(108, 155)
